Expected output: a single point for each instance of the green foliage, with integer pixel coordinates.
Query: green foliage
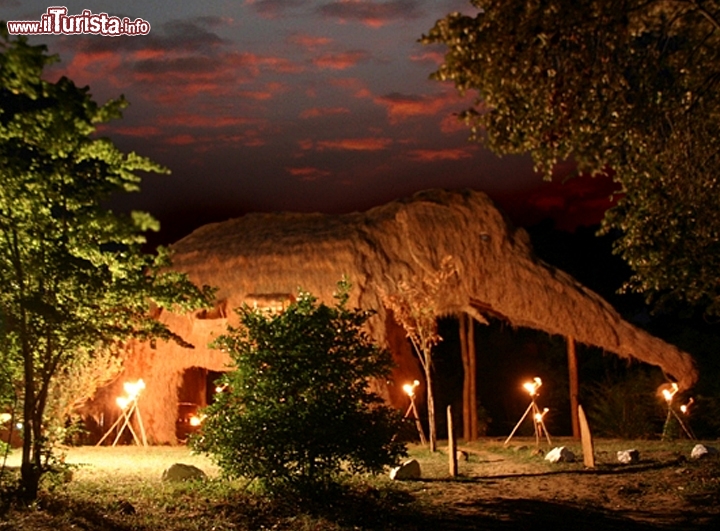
(73, 276)
(630, 86)
(297, 409)
(626, 408)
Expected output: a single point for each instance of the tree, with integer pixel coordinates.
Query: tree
(72, 274)
(296, 408)
(622, 86)
(414, 309)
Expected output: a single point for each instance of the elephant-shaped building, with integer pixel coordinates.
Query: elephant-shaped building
(263, 259)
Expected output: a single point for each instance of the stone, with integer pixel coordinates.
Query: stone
(537, 452)
(701, 451)
(409, 469)
(462, 455)
(628, 457)
(560, 454)
(183, 472)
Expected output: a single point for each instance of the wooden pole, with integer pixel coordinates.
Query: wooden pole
(452, 445)
(464, 354)
(574, 386)
(473, 378)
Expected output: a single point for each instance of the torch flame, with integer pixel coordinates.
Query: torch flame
(410, 388)
(670, 394)
(539, 416)
(532, 387)
(132, 390)
(685, 408)
(123, 402)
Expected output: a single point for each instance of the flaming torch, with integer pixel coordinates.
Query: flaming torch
(410, 391)
(128, 407)
(669, 395)
(538, 416)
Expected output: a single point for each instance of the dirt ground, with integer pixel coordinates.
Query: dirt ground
(513, 488)
(498, 488)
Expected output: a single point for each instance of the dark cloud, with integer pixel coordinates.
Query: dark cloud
(173, 36)
(275, 8)
(371, 12)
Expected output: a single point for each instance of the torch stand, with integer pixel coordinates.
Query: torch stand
(685, 428)
(412, 409)
(125, 418)
(537, 421)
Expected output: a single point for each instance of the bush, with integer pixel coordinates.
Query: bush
(297, 410)
(627, 408)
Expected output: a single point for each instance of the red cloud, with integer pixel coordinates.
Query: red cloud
(141, 131)
(308, 173)
(180, 140)
(355, 144)
(309, 42)
(340, 61)
(429, 57)
(317, 112)
(451, 123)
(401, 106)
(352, 84)
(371, 13)
(433, 155)
(203, 120)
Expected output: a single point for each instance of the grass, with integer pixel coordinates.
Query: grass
(120, 489)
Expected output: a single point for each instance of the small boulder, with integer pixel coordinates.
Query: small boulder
(462, 455)
(537, 452)
(183, 472)
(407, 470)
(628, 457)
(701, 451)
(560, 454)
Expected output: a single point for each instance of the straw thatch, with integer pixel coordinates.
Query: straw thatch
(262, 259)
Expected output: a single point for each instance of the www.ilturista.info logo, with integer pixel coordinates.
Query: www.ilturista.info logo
(57, 22)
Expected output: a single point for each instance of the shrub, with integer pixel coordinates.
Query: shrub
(627, 408)
(296, 409)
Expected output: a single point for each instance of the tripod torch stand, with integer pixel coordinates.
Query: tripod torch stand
(410, 391)
(537, 415)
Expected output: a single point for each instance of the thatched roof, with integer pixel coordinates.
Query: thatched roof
(272, 255)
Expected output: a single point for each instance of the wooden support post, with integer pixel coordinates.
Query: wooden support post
(574, 386)
(452, 445)
(466, 376)
(473, 378)
(467, 352)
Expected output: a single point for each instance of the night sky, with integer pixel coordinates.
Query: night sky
(269, 105)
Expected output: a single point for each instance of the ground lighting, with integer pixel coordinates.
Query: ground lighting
(128, 405)
(669, 395)
(410, 391)
(538, 416)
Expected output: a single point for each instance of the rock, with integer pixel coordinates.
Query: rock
(537, 452)
(701, 451)
(461, 455)
(560, 454)
(183, 472)
(407, 470)
(628, 457)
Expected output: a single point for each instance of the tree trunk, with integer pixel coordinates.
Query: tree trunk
(430, 406)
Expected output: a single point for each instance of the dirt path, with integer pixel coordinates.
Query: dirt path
(500, 490)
